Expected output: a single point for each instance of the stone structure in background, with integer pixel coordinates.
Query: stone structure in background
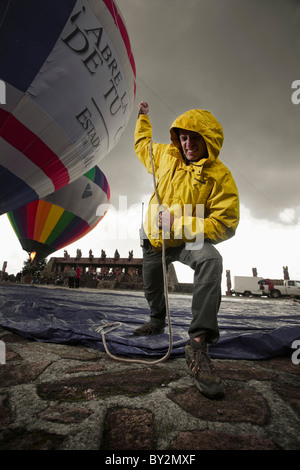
(106, 273)
(254, 272)
(286, 275)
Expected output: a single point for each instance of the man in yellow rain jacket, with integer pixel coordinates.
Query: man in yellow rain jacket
(197, 207)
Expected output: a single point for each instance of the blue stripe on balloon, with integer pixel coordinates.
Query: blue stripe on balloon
(28, 33)
(101, 181)
(21, 219)
(14, 192)
(73, 229)
(98, 179)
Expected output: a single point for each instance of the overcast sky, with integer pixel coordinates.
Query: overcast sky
(238, 59)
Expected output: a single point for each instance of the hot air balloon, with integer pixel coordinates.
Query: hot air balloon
(69, 78)
(49, 224)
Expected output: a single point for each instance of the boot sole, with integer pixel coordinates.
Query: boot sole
(160, 332)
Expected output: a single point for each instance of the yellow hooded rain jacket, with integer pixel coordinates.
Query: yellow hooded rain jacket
(202, 195)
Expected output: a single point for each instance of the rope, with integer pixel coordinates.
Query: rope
(4, 14)
(157, 96)
(113, 326)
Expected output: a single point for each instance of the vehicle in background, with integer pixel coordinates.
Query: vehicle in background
(287, 288)
(247, 285)
(258, 286)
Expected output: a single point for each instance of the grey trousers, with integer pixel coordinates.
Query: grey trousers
(207, 265)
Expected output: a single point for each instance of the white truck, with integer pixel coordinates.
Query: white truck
(247, 286)
(258, 286)
(288, 288)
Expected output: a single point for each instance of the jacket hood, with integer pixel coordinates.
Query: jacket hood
(204, 123)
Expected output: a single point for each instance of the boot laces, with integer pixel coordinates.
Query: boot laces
(202, 363)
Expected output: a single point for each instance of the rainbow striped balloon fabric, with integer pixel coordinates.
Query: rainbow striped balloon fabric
(49, 224)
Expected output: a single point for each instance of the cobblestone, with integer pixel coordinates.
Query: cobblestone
(59, 397)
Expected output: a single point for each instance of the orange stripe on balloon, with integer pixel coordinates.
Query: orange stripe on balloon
(54, 215)
(40, 219)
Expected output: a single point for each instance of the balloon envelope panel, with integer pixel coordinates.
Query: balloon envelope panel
(70, 85)
(49, 224)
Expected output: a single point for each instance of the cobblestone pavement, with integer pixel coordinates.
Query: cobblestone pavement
(59, 397)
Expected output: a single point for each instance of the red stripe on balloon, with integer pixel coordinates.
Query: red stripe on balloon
(24, 140)
(121, 26)
(31, 215)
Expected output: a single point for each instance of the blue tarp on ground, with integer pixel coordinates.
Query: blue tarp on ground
(249, 328)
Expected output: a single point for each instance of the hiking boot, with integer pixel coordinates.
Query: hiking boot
(200, 367)
(148, 329)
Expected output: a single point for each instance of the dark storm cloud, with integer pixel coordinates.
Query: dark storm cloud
(237, 58)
